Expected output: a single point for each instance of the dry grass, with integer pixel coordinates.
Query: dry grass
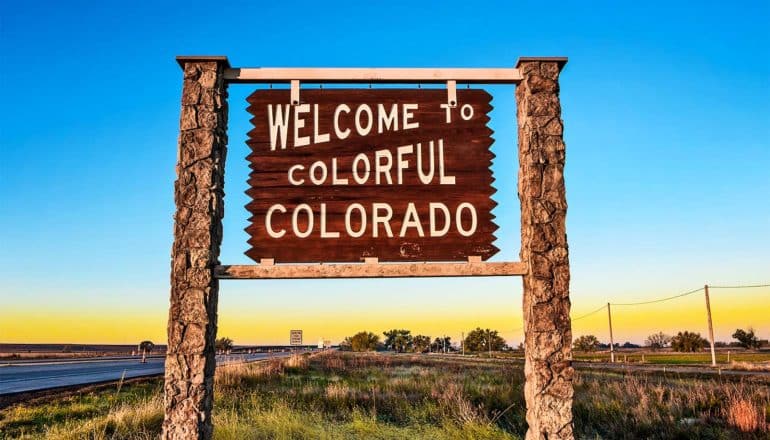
(750, 366)
(745, 414)
(297, 361)
(451, 397)
(347, 396)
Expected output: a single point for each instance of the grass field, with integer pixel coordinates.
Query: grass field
(347, 396)
(736, 358)
(672, 358)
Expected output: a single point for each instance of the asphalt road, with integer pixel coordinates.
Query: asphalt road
(33, 376)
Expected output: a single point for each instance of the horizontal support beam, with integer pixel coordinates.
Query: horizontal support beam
(266, 75)
(369, 270)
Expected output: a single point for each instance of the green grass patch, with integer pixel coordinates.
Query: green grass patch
(349, 396)
(672, 358)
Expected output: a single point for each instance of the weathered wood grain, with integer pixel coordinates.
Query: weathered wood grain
(360, 270)
(466, 157)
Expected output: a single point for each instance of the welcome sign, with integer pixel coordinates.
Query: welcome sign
(399, 175)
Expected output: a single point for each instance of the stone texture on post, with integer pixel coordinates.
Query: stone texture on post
(548, 335)
(199, 196)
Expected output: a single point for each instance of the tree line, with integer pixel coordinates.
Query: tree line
(402, 341)
(684, 341)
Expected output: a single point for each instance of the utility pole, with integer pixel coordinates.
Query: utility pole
(711, 326)
(462, 342)
(612, 341)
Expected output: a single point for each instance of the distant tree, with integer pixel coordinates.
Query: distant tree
(657, 341)
(402, 343)
(420, 343)
(746, 338)
(364, 341)
(146, 347)
(442, 344)
(480, 340)
(223, 345)
(586, 343)
(346, 344)
(688, 342)
(630, 345)
(398, 340)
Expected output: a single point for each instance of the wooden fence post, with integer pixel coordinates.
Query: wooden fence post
(548, 335)
(199, 197)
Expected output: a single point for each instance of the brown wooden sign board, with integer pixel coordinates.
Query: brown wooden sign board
(398, 175)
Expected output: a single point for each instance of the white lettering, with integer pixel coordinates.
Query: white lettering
(470, 111)
(411, 220)
(448, 112)
(408, 115)
(279, 122)
(361, 157)
(443, 179)
(401, 163)
(318, 165)
(335, 180)
(458, 219)
(364, 108)
(268, 222)
(325, 234)
(447, 220)
(387, 120)
(425, 178)
(348, 228)
(381, 168)
(377, 218)
(318, 138)
(300, 141)
(340, 134)
(295, 226)
(292, 180)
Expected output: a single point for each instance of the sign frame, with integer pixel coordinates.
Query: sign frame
(199, 197)
(295, 337)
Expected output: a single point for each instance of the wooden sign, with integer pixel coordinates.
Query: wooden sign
(295, 337)
(398, 175)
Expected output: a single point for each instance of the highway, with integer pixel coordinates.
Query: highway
(16, 377)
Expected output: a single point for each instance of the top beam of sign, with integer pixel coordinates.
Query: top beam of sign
(373, 75)
(311, 75)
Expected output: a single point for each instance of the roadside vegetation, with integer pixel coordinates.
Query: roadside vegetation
(337, 395)
(684, 348)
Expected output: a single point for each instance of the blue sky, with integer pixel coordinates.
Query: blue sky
(667, 124)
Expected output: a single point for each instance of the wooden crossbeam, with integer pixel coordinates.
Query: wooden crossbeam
(264, 75)
(359, 270)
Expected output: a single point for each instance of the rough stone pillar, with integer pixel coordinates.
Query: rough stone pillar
(198, 193)
(548, 335)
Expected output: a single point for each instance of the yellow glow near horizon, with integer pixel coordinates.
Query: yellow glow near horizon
(271, 323)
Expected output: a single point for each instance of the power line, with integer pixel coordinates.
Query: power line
(746, 286)
(574, 319)
(659, 300)
(590, 313)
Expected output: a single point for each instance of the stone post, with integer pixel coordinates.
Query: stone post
(198, 193)
(548, 335)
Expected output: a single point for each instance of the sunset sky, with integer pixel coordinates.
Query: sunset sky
(666, 109)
